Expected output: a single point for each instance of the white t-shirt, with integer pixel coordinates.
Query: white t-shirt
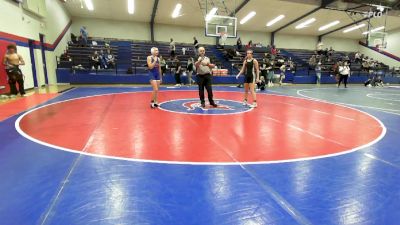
(172, 46)
(201, 70)
(344, 70)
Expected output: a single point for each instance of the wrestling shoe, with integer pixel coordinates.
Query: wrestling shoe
(254, 105)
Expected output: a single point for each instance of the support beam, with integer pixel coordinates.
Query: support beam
(239, 7)
(297, 19)
(153, 16)
(325, 3)
(342, 27)
(272, 39)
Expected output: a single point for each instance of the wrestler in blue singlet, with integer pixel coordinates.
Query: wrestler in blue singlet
(154, 73)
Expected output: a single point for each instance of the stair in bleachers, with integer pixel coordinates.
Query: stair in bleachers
(124, 55)
(229, 64)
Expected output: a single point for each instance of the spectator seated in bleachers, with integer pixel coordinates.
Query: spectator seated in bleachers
(261, 84)
(65, 56)
(291, 65)
(259, 45)
(280, 60)
(249, 45)
(107, 46)
(95, 61)
(312, 62)
(110, 59)
(238, 54)
(365, 64)
(229, 53)
(357, 58)
(103, 61)
(178, 72)
(74, 39)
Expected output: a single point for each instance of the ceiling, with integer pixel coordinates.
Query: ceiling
(193, 11)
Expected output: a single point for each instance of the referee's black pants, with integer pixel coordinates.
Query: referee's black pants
(205, 81)
(344, 79)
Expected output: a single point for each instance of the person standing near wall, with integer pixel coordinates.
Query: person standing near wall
(178, 72)
(84, 35)
(189, 70)
(12, 60)
(204, 66)
(172, 48)
(271, 73)
(239, 44)
(344, 71)
(318, 70)
(282, 74)
(163, 65)
(196, 45)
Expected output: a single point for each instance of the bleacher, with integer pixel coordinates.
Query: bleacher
(132, 55)
(259, 54)
(140, 51)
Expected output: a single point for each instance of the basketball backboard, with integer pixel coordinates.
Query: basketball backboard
(221, 24)
(377, 39)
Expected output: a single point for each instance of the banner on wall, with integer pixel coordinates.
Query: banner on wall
(4, 88)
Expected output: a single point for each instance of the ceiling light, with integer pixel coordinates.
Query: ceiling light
(374, 30)
(89, 5)
(354, 28)
(210, 14)
(329, 25)
(305, 23)
(272, 22)
(131, 6)
(177, 10)
(248, 17)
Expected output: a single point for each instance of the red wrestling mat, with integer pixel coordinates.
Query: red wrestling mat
(22, 104)
(123, 125)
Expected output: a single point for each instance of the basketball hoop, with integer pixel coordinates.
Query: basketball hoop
(377, 40)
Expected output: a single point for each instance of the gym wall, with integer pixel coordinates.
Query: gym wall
(163, 32)
(393, 43)
(23, 25)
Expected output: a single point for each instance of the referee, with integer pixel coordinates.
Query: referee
(204, 77)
